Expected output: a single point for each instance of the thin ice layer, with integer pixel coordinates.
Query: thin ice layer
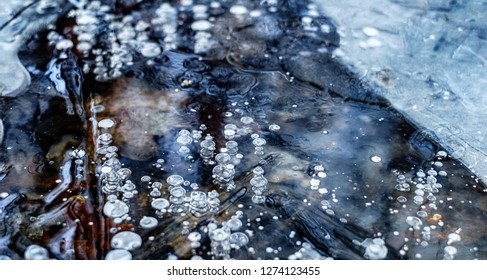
(19, 20)
(429, 59)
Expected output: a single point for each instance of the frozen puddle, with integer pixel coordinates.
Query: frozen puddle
(206, 130)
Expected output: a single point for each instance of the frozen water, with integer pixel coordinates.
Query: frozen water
(429, 64)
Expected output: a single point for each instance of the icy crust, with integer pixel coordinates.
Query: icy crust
(428, 58)
(19, 20)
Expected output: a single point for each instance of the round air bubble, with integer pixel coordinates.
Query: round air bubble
(234, 224)
(238, 10)
(145, 179)
(258, 170)
(64, 44)
(376, 159)
(106, 123)
(150, 49)
(274, 127)
(175, 180)
(441, 154)
(126, 240)
(118, 254)
(160, 203)
(201, 25)
(124, 173)
(184, 140)
(194, 236)
(238, 239)
(78, 153)
(418, 199)
(246, 120)
(115, 209)
(314, 182)
(229, 132)
(219, 235)
(370, 31)
(259, 142)
(453, 237)
(222, 158)
(148, 222)
(422, 214)
(415, 222)
(36, 252)
(258, 181)
(178, 192)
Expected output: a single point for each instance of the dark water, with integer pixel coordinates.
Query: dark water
(218, 131)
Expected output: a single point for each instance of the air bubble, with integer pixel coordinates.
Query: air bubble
(246, 120)
(36, 252)
(418, 199)
(150, 49)
(422, 214)
(274, 127)
(184, 140)
(160, 203)
(145, 179)
(124, 173)
(375, 249)
(441, 154)
(64, 44)
(148, 222)
(126, 240)
(415, 222)
(259, 142)
(234, 224)
(219, 235)
(453, 237)
(106, 123)
(238, 239)
(115, 209)
(376, 159)
(78, 153)
(118, 254)
(175, 180)
(201, 25)
(401, 199)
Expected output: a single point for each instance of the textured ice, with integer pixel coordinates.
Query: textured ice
(16, 27)
(430, 64)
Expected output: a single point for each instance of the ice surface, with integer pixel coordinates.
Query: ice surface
(429, 59)
(16, 27)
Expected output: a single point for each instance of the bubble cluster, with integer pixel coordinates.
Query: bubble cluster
(375, 249)
(306, 252)
(207, 150)
(258, 143)
(220, 242)
(402, 185)
(198, 204)
(259, 184)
